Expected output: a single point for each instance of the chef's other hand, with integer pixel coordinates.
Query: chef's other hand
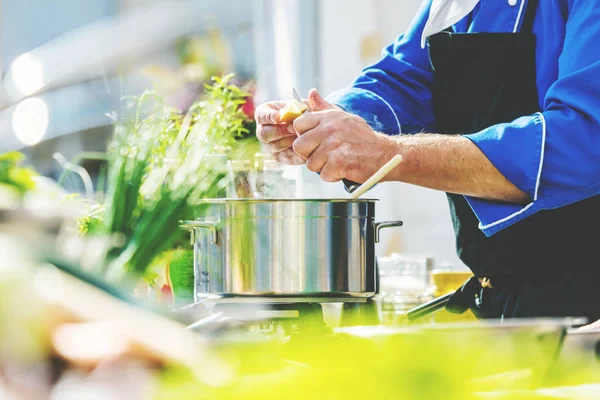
(277, 137)
(340, 145)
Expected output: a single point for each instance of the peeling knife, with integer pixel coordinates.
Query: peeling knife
(350, 186)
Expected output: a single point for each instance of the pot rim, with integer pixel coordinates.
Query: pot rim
(282, 200)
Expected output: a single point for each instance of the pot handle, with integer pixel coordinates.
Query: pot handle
(383, 225)
(191, 226)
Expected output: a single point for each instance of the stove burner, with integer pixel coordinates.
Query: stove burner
(279, 318)
(251, 299)
(292, 318)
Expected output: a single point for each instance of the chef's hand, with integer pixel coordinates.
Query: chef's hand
(277, 137)
(340, 145)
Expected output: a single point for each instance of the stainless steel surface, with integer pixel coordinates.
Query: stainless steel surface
(495, 326)
(193, 225)
(580, 352)
(286, 250)
(384, 225)
(298, 98)
(282, 299)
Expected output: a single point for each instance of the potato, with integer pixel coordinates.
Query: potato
(292, 110)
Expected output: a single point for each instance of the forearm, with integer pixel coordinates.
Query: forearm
(451, 164)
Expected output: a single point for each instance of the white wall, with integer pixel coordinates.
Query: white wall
(352, 33)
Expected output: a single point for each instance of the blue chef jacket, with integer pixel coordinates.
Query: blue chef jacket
(554, 155)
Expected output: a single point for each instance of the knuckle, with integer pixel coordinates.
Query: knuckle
(330, 128)
(340, 116)
(327, 176)
(336, 160)
(297, 147)
(346, 150)
(335, 140)
(312, 165)
(343, 150)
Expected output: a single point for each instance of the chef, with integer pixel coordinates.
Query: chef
(496, 103)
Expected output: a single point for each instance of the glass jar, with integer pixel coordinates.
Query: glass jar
(403, 285)
(240, 186)
(272, 180)
(274, 183)
(259, 170)
(448, 279)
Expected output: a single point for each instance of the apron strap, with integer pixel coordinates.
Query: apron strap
(527, 25)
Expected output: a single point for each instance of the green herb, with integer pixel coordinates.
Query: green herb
(91, 222)
(159, 171)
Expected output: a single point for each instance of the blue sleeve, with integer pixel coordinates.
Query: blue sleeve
(554, 156)
(395, 94)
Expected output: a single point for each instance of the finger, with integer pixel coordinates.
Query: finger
(307, 122)
(288, 157)
(317, 102)
(282, 144)
(332, 172)
(268, 113)
(272, 133)
(311, 133)
(308, 142)
(317, 159)
(266, 116)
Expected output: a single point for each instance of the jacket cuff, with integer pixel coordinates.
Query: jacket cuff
(517, 151)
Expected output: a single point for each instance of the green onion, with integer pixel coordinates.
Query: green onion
(158, 171)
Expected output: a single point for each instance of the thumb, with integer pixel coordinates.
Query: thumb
(317, 102)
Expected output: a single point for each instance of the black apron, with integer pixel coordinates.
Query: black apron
(547, 264)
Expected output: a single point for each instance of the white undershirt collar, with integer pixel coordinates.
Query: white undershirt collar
(445, 13)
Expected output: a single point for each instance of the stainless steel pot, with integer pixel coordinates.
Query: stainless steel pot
(291, 250)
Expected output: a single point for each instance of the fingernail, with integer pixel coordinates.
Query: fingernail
(290, 128)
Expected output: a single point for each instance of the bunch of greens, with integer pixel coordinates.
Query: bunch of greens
(14, 174)
(92, 219)
(160, 167)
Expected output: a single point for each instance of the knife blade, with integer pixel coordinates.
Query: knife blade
(298, 98)
(348, 184)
